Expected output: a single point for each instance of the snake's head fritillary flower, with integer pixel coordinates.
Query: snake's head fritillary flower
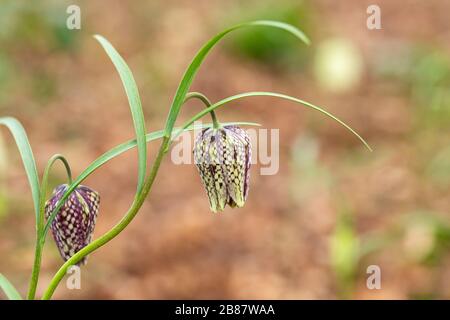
(74, 223)
(222, 157)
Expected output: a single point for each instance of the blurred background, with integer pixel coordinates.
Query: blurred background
(308, 232)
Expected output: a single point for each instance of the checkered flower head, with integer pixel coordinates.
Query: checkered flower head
(222, 157)
(74, 223)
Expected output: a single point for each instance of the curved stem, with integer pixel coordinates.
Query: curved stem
(276, 95)
(176, 105)
(111, 154)
(149, 181)
(40, 238)
(205, 100)
(132, 211)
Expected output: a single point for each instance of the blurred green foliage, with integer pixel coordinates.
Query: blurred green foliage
(349, 250)
(431, 88)
(40, 26)
(438, 169)
(429, 82)
(425, 74)
(37, 31)
(6, 73)
(43, 86)
(344, 253)
(271, 47)
(422, 236)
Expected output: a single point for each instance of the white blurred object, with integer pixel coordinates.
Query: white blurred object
(338, 65)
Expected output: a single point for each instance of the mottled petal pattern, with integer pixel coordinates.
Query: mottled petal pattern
(74, 223)
(222, 157)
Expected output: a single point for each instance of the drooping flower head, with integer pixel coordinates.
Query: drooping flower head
(222, 156)
(74, 223)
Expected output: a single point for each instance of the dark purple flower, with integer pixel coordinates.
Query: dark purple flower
(222, 157)
(74, 223)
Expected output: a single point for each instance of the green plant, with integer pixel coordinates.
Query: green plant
(146, 177)
(269, 47)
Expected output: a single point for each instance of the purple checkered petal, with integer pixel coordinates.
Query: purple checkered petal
(74, 223)
(222, 157)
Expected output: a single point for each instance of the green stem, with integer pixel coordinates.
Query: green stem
(118, 228)
(36, 268)
(40, 239)
(205, 100)
(270, 94)
(132, 211)
(149, 181)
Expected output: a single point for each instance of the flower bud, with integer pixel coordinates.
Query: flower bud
(222, 157)
(74, 223)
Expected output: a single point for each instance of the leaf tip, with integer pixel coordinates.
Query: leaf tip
(99, 38)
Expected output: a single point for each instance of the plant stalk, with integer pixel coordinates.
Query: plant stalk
(205, 100)
(36, 268)
(40, 236)
(122, 224)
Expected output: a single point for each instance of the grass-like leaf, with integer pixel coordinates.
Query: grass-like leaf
(20, 136)
(135, 105)
(118, 150)
(277, 95)
(8, 288)
(192, 69)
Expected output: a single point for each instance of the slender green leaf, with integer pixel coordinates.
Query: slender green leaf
(135, 105)
(277, 95)
(118, 150)
(193, 68)
(20, 136)
(8, 288)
